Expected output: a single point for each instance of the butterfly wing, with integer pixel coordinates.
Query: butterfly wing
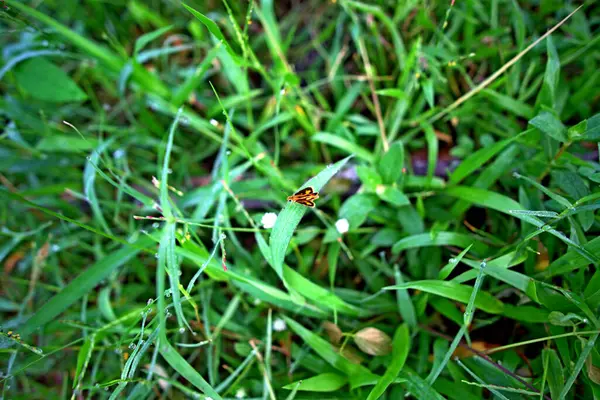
(305, 192)
(305, 202)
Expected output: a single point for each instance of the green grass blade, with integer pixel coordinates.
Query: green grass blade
(343, 144)
(454, 291)
(325, 382)
(289, 218)
(81, 285)
(438, 239)
(401, 346)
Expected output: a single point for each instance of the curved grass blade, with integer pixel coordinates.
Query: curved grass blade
(440, 239)
(400, 346)
(455, 291)
(289, 218)
(81, 285)
(325, 382)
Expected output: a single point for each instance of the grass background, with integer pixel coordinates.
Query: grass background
(143, 142)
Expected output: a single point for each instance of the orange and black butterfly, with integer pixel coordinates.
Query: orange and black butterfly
(306, 197)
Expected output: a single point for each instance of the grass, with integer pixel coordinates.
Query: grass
(453, 250)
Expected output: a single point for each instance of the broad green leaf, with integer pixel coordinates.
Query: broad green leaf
(326, 382)
(454, 291)
(369, 177)
(550, 125)
(401, 347)
(391, 163)
(392, 195)
(356, 208)
(55, 87)
(289, 218)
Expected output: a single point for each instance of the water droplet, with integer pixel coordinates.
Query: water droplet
(88, 158)
(452, 260)
(132, 346)
(55, 248)
(155, 225)
(168, 292)
(228, 152)
(181, 329)
(169, 171)
(483, 264)
(150, 300)
(155, 255)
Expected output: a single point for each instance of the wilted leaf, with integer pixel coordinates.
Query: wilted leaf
(333, 331)
(373, 341)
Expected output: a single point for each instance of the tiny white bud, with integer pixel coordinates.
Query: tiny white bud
(268, 220)
(342, 225)
(279, 325)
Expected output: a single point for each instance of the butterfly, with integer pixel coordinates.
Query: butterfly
(306, 197)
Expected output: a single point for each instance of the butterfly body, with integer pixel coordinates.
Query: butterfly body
(306, 197)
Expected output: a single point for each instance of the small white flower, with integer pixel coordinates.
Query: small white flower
(240, 394)
(214, 122)
(268, 220)
(119, 153)
(279, 325)
(342, 225)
